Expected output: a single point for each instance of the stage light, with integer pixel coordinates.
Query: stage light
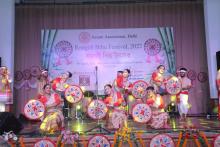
(78, 107)
(172, 104)
(77, 127)
(173, 98)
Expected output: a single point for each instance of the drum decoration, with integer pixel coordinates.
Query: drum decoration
(191, 74)
(35, 71)
(152, 47)
(139, 89)
(216, 142)
(97, 109)
(18, 76)
(34, 109)
(27, 74)
(202, 77)
(99, 141)
(44, 143)
(63, 50)
(73, 94)
(141, 113)
(162, 140)
(117, 118)
(173, 85)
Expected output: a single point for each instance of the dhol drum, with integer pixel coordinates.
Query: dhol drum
(97, 109)
(99, 141)
(162, 140)
(216, 142)
(173, 85)
(44, 143)
(141, 113)
(73, 94)
(139, 89)
(34, 109)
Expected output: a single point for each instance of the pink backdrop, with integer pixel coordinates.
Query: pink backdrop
(186, 18)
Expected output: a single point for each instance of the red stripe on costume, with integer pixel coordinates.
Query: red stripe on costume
(184, 92)
(42, 98)
(107, 100)
(155, 77)
(119, 81)
(150, 101)
(54, 83)
(57, 98)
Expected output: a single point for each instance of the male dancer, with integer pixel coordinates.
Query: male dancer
(186, 83)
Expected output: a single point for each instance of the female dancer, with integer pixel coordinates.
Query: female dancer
(53, 119)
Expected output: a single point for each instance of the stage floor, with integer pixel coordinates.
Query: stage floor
(174, 125)
(211, 128)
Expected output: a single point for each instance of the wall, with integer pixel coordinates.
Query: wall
(212, 30)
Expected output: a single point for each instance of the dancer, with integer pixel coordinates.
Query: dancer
(43, 79)
(158, 79)
(4, 80)
(127, 85)
(53, 119)
(183, 105)
(218, 80)
(218, 88)
(155, 101)
(59, 85)
(116, 116)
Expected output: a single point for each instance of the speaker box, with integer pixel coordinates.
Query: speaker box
(218, 60)
(8, 122)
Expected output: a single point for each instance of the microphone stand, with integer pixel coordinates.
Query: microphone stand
(98, 127)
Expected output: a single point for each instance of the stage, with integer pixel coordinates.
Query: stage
(86, 129)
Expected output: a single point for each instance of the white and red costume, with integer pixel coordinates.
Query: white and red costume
(159, 118)
(4, 80)
(183, 96)
(53, 119)
(42, 80)
(158, 81)
(59, 85)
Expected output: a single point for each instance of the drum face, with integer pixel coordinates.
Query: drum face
(99, 140)
(141, 113)
(139, 89)
(97, 109)
(44, 142)
(162, 140)
(34, 109)
(73, 94)
(173, 85)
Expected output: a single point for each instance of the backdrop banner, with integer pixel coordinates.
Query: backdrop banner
(95, 55)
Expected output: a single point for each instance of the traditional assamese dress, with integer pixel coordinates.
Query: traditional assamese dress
(53, 119)
(159, 118)
(117, 115)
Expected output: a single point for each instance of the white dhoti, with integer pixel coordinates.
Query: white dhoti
(183, 105)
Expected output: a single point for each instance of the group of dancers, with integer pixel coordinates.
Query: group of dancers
(117, 97)
(51, 94)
